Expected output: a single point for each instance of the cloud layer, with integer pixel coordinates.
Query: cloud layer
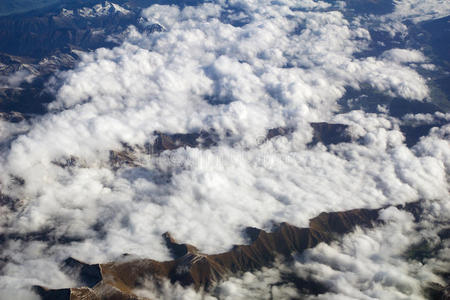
(232, 67)
(367, 264)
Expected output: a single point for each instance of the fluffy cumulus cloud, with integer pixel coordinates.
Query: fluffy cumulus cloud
(436, 144)
(422, 119)
(379, 264)
(233, 67)
(404, 56)
(367, 264)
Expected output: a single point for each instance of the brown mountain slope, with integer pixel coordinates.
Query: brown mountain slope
(117, 280)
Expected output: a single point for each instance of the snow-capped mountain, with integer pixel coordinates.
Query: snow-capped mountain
(99, 10)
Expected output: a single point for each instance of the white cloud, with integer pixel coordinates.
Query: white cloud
(15, 79)
(163, 15)
(419, 11)
(401, 56)
(415, 11)
(264, 284)
(376, 263)
(371, 264)
(436, 144)
(422, 119)
(285, 67)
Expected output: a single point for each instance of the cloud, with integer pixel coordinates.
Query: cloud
(436, 145)
(170, 291)
(286, 65)
(15, 79)
(419, 11)
(423, 119)
(415, 11)
(379, 263)
(401, 56)
(384, 262)
(264, 284)
(372, 263)
(10, 130)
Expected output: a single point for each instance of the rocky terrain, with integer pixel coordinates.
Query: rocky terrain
(118, 280)
(202, 271)
(35, 45)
